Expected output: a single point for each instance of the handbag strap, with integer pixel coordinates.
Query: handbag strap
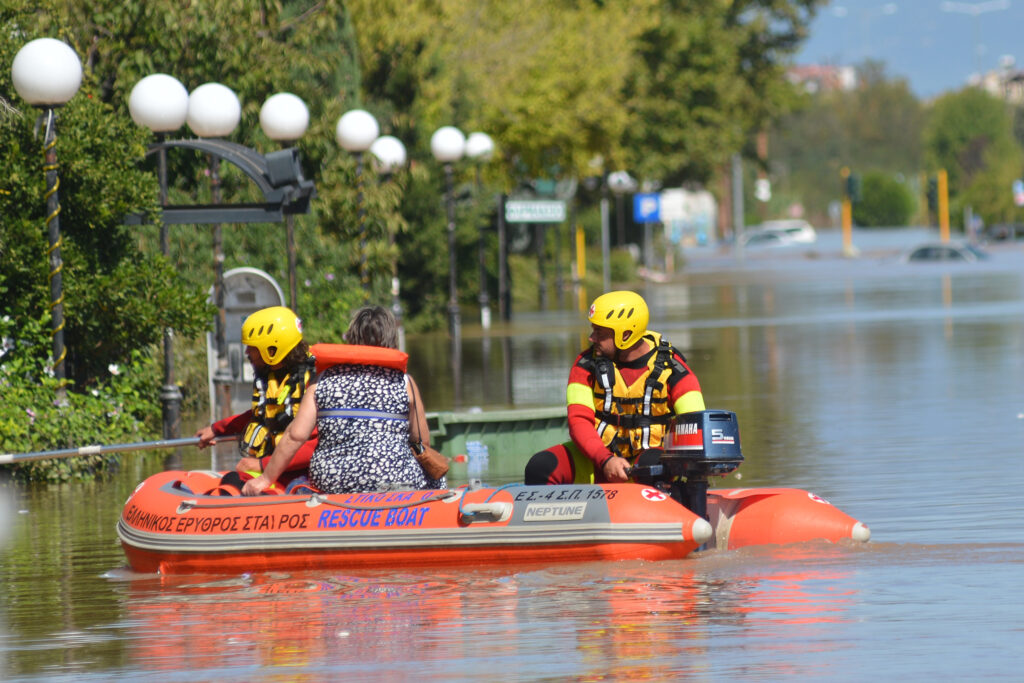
(414, 416)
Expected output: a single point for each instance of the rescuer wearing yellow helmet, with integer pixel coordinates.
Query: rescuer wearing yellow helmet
(623, 391)
(282, 367)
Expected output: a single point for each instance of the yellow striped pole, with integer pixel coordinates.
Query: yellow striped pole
(943, 188)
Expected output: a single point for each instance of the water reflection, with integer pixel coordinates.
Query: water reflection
(618, 621)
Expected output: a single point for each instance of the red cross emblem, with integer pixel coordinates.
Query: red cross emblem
(653, 494)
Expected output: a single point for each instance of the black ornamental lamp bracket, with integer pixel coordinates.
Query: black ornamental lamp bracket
(278, 175)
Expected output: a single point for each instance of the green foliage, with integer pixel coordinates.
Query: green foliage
(708, 75)
(116, 300)
(664, 87)
(970, 134)
(877, 125)
(884, 201)
(119, 407)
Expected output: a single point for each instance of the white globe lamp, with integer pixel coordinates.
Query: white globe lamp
(213, 111)
(447, 144)
(46, 72)
(284, 117)
(389, 153)
(479, 146)
(159, 102)
(356, 131)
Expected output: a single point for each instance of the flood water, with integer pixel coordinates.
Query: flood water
(892, 390)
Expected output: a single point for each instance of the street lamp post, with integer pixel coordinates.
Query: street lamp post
(621, 184)
(448, 145)
(160, 103)
(355, 132)
(480, 148)
(213, 112)
(390, 155)
(47, 73)
(284, 118)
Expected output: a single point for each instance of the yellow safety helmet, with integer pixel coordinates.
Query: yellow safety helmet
(624, 312)
(275, 331)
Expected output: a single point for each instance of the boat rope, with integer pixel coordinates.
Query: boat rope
(315, 499)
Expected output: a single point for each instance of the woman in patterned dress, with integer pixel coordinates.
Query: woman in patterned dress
(362, 416)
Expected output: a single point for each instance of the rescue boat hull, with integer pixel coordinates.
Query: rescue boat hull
(167, 526)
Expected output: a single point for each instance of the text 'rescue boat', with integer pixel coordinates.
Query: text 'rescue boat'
(169, 525)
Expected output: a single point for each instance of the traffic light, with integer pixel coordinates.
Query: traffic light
(933, 193)
(853, 188)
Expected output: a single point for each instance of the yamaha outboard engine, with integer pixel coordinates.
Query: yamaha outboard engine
(698, 445)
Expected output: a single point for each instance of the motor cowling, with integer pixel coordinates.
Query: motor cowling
(704, 443)
(696, 446)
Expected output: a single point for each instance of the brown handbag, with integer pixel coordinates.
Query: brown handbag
(433, 462)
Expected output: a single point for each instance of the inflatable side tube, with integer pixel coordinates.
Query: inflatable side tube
(356, 354)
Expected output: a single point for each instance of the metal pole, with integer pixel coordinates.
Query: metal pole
(539, 235)
(737, 205)
(50, 166)
(9, 458)
(364, 276)
(170, 394)
(485, 303)
(453, 294)
(620, 220)
(648, 245)
(289, 227)
(396, 305)
(504, 309)
(223, 374)
(581, 268)
(559, 280)
(943, 187)
(606, 280)
(846, 213)
(456, 348)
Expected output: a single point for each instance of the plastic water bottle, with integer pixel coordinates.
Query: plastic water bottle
(476, 452)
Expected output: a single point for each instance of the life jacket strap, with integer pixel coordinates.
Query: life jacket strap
(632, 420)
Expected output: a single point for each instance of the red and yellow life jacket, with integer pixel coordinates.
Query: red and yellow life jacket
(630, 419)
(275, 402)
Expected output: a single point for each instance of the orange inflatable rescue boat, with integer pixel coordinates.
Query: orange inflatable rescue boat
(170, 526)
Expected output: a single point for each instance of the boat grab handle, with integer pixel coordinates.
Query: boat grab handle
(485, 512)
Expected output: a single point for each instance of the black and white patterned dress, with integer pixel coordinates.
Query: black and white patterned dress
(364, 432)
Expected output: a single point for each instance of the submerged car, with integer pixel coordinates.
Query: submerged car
(780, 233)
(944, 251)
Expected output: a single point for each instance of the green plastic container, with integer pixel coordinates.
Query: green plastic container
(506, 433)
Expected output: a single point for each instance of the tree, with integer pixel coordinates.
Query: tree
(708, 76)
(969, 133)
(116, 299)
(877, 126)
(885, 201)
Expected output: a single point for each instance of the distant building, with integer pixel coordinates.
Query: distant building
(1006, 82)
(816, 78)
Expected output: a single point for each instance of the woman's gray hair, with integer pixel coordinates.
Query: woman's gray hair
(373, 326)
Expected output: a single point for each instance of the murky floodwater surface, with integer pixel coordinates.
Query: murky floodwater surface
(892, 390)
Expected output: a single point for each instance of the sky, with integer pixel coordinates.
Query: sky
(936, 45)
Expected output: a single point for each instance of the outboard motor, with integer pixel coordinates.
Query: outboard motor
(698, 445)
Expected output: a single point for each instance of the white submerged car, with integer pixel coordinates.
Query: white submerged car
(780, 233)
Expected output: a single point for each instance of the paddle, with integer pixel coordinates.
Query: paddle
(8, 458)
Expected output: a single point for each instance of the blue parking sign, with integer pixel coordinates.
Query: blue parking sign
(646, 208)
